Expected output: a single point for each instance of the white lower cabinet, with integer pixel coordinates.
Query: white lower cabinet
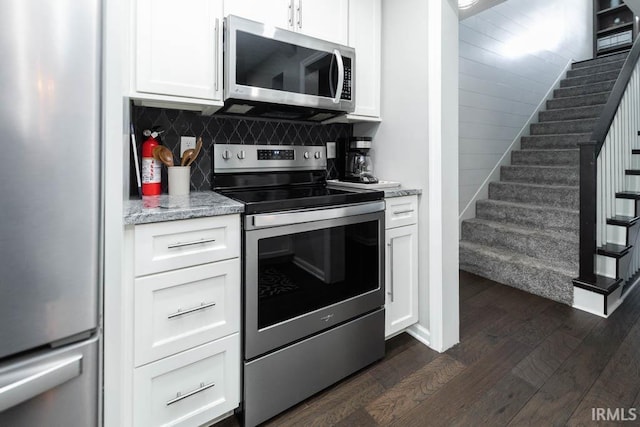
(401, 277)
(185, 321)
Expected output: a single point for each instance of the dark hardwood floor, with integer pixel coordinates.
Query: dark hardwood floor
(522, 360)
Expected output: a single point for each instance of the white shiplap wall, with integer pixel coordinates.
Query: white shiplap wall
(509, 57)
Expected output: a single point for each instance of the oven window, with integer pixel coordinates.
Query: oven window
(271, 64)
(299, 273)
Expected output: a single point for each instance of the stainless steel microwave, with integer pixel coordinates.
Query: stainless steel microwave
(277, 73)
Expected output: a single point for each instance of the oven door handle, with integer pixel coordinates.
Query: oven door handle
(309, 215)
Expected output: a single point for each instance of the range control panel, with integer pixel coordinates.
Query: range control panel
(262, 158)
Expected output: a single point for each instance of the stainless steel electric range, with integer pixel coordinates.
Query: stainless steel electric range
(313, 274)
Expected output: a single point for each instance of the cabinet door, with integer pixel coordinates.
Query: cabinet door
(278, 13)
(324, 19)
(365, 37)
(179, 48)
(401, 278)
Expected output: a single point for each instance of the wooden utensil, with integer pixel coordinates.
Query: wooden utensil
(186, 156)
(196, 152)
(164, 155)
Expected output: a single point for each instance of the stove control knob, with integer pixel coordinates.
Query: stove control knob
(226, 154)
(241, 154)
(317, 155)
(306, 155)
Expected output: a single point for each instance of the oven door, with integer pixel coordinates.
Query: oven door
(310, 270)
(272, 65)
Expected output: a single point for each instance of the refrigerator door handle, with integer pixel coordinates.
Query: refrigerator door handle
(34, 380)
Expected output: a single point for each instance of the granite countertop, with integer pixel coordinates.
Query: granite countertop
(168, 208)
(388, 191)
(399, 192)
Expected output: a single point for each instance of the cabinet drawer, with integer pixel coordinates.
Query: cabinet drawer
(177, 244)
(190, 388)
(401, 211)
(181, 309)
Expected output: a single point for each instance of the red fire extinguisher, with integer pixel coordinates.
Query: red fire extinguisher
(151, 178)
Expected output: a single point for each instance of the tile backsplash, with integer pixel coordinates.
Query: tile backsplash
(228, 130)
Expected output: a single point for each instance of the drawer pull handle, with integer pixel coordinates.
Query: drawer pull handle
(403, 211)
(202, 306)
(196, 242)
(180, 396)
(390, 292)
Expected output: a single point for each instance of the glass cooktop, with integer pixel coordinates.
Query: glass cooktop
(297, 197)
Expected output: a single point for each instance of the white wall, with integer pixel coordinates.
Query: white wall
(510, 55)
(417, 144)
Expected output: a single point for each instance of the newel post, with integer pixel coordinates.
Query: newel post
(588, 182)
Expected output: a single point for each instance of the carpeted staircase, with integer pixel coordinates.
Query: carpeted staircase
(526, 234)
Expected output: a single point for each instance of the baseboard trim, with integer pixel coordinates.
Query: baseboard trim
(422, 334)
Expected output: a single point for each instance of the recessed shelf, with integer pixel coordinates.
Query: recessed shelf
(614, 27)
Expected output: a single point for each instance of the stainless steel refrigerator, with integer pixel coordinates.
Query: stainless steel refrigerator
(50, 212)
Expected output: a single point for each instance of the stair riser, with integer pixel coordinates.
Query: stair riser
(578, 101)
(532, 217)
(571, 126)
(532, 245)
(599, 61)
(632, 182)
(545, 157)
(583, 90)
(635, 161)
(586, 80)
(560, 197)
(545, 176)
(545, 283)
(625, 207)
(617, 234)
(613, 267)
(585, 71)
(557, 142)
(570, 114)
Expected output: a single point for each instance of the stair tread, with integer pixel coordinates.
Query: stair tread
(526, 184)
(515, 228)
(598, 74)
(617, 56)
(635, 151)
(619, 63)
(634, 195)
(543, 166)
(632, 171)
(528, 205)
(613, 250)
(581, 107)
(598, 284)
(546, 150)
(623, 220)
(506, 255)
(553, 122)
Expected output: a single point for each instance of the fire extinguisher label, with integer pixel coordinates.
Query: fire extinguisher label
(150, 171)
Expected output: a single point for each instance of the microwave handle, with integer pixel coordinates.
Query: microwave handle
(338, 56)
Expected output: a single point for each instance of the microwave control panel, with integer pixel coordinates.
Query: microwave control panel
(346, 88)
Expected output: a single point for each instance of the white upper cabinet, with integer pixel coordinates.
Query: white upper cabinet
(324, 19)
(178, 50)
(278, 13)
(365, 37)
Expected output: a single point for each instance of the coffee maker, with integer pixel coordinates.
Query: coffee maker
(359, 167)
